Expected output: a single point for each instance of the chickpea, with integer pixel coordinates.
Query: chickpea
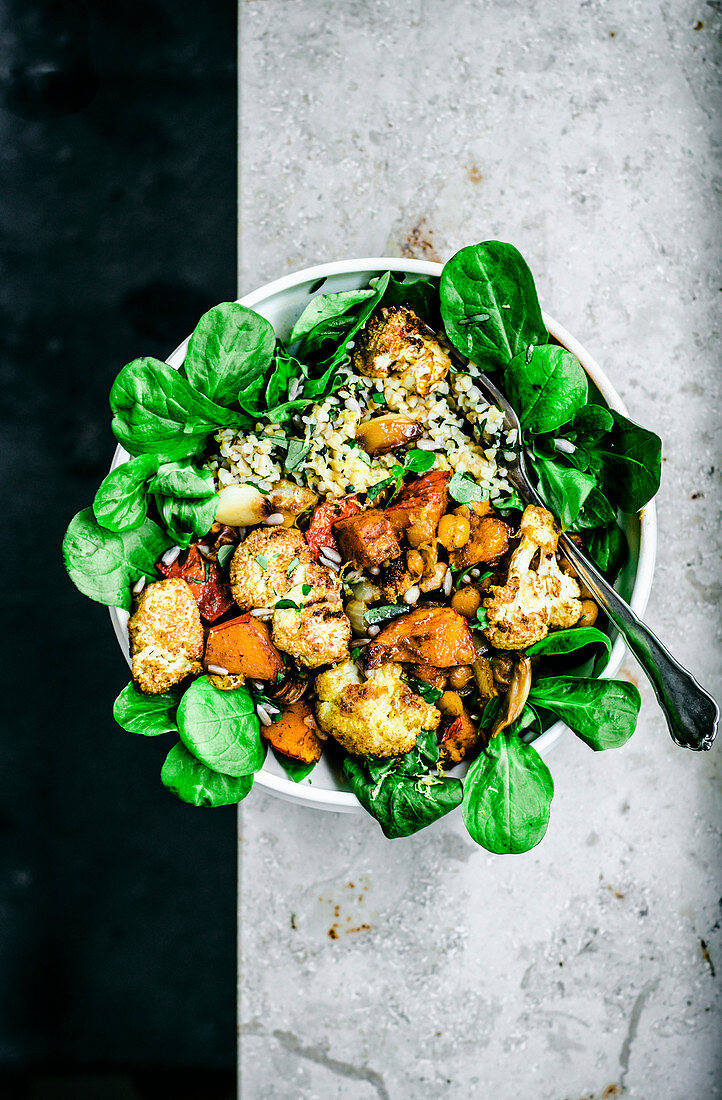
(451, 704)
(589, 613)
(415, 563)
(459, 677)
(454, 531)
(417, 535)
(466, 602)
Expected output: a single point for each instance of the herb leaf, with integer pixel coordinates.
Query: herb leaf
(464, 489)
(507, 796)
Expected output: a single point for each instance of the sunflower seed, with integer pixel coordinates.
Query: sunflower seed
(217, 670)
(426, 444)
(262, 612)
(263, 714)
(139, 586)
(328, 563)
(170, 555)
(475, 573)
(412, 594)
(203, 549)
(448, 582)
(273, 520)
(333, 555)
(373, 631)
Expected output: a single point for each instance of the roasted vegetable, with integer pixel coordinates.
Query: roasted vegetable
(207, 583)
(420, 505)
(242, 505)
(166, 636)
(396, 339)
(294, 734)
(521, 611)
(316, 634)
(516, 696)
(380, 716)
(488, 541)
(243, 646)
(386, 433)
(274, 563)
(435, 635)
(458, 739)
(320, 532)
(367, 539)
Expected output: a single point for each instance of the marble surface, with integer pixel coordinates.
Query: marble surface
(585, 134)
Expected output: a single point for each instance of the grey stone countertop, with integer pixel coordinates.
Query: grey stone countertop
(585, 134)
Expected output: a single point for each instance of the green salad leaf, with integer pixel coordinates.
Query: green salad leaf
(221, 728)
(157, 411)
(507, 796)
(199, 785)
(546, 386)
(294, 769)
(230, 348)
(403, 794)
(121, 502)
(568, 641)
(489, 304)
(563, 489)
(149, 715)
(464, 489)
(603, 713)
(627, 463)
(105, 564)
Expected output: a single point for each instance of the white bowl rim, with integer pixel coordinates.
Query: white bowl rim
(345, 801)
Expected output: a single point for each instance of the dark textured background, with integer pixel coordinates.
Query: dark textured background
(117, 229)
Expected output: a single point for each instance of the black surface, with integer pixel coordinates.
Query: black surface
(117, 229)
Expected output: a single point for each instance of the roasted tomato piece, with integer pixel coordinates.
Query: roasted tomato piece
(206, 581)
(488, 541)
(433, 635)
(421, 504)
(320, 531)
(243, 647)
(367, 539)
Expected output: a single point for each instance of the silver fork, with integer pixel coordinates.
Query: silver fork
(692, 714)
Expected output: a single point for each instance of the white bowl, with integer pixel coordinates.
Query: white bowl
(281, 302)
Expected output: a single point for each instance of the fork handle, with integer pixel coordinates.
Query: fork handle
(691, 713)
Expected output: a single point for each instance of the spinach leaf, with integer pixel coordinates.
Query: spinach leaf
(590, 423)
(603, 713)
(418, 462)
(564, 490)
(608, 550)
(221, 728)
(150, 715)
(489, 304)
(156, 411)
(512, 503)
(104, 564)
(403, 795)
(294, 769)
(546, 385)
(568, 641)
(193, 782)
(597, 512)
(121, 501)
(427, 692)
(628, 463)
(230, 348)
(420, 295)
(507, 796)
(324, 308)
(285, 370)
(186, 500)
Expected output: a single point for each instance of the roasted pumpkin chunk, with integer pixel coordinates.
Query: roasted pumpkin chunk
(432, 635)
(488, 541)
(422, 503)
(243, 646)
(294, 734)
(458, 739)
(367, 539)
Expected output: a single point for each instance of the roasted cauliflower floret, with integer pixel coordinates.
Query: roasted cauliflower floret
(380, 716)
(261, 572)
(317, 634)
(520, 612)
(166, 636)
(395, 339)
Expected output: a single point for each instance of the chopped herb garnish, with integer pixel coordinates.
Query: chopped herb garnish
(225, 553)
(282, 605)
(378, 398)
(385, 613)
(506, 504)
(262, 561)
(378, 488)
(427, 692)
(291, 566)
(481, 619)
(297, 451)
(258, 488)
(463, 488)
(305, 588)
(355, 653)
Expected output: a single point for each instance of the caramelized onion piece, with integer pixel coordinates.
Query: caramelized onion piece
(386, 433)
(516, 696)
